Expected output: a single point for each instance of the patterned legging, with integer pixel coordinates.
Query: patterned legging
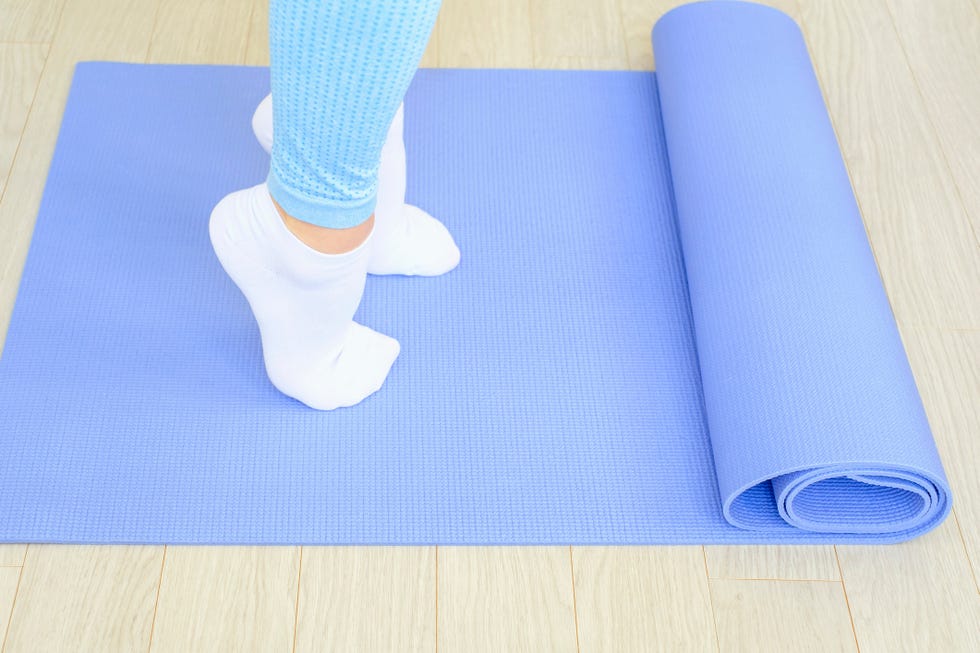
(340, 68)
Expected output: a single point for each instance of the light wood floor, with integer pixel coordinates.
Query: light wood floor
(901, 80)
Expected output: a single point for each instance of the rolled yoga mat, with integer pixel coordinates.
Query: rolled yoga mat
(667, 327)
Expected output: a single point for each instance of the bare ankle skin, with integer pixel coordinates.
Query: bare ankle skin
(324, 239)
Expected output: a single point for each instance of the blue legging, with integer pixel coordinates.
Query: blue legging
(340, 68)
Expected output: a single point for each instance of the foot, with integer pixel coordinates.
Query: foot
(413, 243)
(304, 302)
(407, 240)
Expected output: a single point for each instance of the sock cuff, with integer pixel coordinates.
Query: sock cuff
(299, 249)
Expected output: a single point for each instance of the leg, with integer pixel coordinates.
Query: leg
(298, 246)
(407, 240)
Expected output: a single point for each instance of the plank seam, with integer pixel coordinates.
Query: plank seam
(847, 601)
(969, 560)
(571, 567)
(10, 617)
(153, 31)
(711, 599)
(27, 119)
(156, 602)
(299, 580)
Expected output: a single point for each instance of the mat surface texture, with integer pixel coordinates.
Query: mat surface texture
(667, 326)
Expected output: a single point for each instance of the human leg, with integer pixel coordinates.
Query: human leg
(293, 245)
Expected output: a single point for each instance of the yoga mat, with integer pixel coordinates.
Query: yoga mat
(667, 326)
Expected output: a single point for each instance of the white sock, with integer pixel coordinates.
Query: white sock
(304, 302)
(407, 240)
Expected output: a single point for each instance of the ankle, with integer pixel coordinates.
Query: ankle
(324, 239)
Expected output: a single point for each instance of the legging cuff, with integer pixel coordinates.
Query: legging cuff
(318, 211)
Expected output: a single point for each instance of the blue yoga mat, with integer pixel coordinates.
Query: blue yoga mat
(667, 326)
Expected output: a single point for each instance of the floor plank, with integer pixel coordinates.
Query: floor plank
(479, 34)
(505, 599)
(923, 242)
(9, 578)
(257, 49)
(757, 616)
(20, 70)
(29, 20)
(12, 555)
(917, 596)
(772, 562)
(947, 373)
(577, 34)
(227, 599)
(85, 598)
(643, 599)
(367, 599)
(201, 31)
(940, 44)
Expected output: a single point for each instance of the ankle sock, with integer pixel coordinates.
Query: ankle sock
(304, 302)
(406, 239)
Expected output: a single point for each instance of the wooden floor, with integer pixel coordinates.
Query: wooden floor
(901, 80)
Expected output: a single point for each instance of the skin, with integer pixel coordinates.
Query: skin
(324, 239)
